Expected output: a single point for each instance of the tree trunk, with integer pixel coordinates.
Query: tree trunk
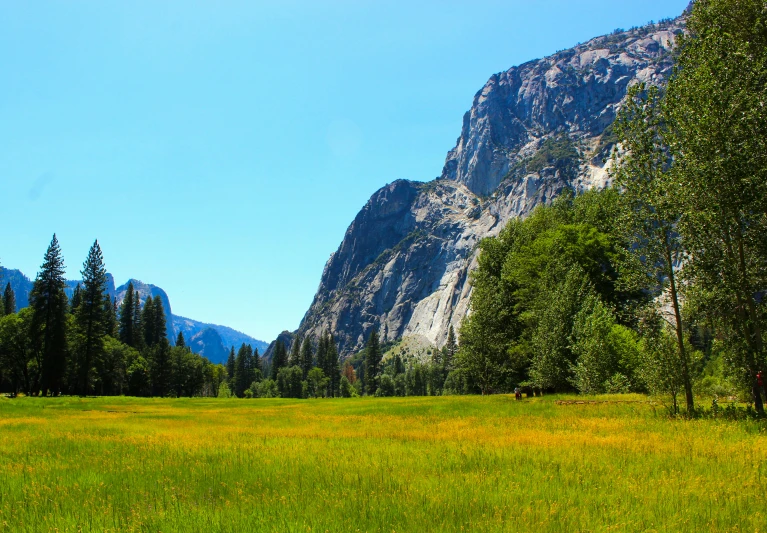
(680, 335)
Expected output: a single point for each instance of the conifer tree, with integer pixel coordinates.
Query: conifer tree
(110, 316)
(279, 359)
(242, 374)
(49, 322)
(77, 299)
(90, 317)
(451, 348)
(148, 322)
(9, 300)
(307, 357)
(180, 340)
(160, 331)
(138, 324)
(256, 363)
(295, 352)
(372, 363)
(127, 329)
(161, 366)
(333, 365)
(230, 367)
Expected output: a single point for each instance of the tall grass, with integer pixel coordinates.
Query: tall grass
(398, 464)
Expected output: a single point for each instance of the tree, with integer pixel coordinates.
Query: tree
(279, 358)
(90, 318)
(9, 300)
(161, 368)
(127, 329)
(160, 331)
(715, 110)
(138, 324)
(17, 354)
(48, 327)
(652, 214)
(148, 322)
(231, 366)
(373, 357)
(290, 382)
(317, 383)
(295, 352)
(332, 364)
(243, 374)
(180, 340)
(77, 299)
(307, 357)
(450, 350)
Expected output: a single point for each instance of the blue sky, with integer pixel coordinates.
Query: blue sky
(219, 149)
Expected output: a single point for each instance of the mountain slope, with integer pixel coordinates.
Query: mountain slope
(532, 131)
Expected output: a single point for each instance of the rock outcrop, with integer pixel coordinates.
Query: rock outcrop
(532, 131)
(209, 344)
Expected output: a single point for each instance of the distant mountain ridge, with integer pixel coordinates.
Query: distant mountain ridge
(227, 336)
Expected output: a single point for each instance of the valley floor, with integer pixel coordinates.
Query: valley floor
(394, 464)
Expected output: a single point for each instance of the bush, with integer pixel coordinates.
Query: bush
(386, 386)
(268, 389)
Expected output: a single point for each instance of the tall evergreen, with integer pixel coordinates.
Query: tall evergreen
(9, 300)
(450, 349)
(77, 299)
(279, 358)
(90, 317)
(230, 367)
(333, 364)
(160, 331)
(372, 363)
(307, 356)
(49, 322)
(256, 363)
(243, 373)
(110, 316)
(295, 352)
(127, 330)
(180, 342)
(148, 322)
(138, 324)
(161, 366)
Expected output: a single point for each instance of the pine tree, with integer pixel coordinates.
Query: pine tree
(127, 329)
(333, 365)
(160, 331)
(9, 300)
(49, 322)
(110, 316)
(451, 348)
(307, 357)
(90, 317)
(77, 299)
(161, 366)
(256, 363)
(180, 340)
(230, 367)
(295, 352)
(148, 322)
(242, 373)
(138, 324)
(279, 358)
(372, 363)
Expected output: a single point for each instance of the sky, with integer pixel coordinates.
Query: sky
(220, 149)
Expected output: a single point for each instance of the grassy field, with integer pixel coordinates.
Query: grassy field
(400, 464)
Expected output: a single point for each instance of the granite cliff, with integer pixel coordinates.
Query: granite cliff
(532, 131)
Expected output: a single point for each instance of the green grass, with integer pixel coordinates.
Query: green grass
(399, 464)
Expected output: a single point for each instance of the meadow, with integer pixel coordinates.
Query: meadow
(374, 464)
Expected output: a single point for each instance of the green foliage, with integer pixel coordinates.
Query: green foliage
(268, 389)
(290, 382)
(386, 386)
(9, 301)
(372, 363)
(317, 383)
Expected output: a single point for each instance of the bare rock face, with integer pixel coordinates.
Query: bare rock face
(403, 266)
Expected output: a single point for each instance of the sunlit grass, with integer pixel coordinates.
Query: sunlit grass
(399, 464)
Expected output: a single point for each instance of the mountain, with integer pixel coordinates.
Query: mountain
(532, 131)
(229, 337)
(208, 343)
(226, 336)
